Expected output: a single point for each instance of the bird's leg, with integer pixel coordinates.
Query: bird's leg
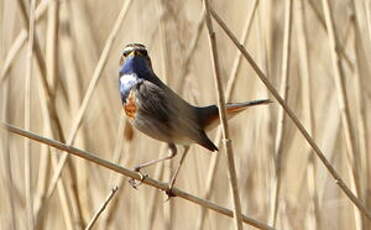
(172, 153)
(173, 178)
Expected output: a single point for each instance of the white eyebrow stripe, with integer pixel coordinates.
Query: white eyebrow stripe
(130, 49)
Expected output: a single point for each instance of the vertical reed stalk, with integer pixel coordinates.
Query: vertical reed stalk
(339, 78)
(223, 120)
(211, 174)
(27, 118)
(281, 124)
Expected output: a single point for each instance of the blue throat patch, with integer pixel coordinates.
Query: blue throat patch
(137, 65)
(132, 72)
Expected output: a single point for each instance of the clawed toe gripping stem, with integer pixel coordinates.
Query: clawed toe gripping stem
(135, 183)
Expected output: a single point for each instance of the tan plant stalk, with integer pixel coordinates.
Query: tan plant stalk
(339, 181)
(210, 178)
(130, 173)
(27, 118)
(224, 124)
(343, 100)
(101, 209)
(97, 74)
(279, 142)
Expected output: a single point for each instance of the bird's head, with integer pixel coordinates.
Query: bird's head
(135, 59)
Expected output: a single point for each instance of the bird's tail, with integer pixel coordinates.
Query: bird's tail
(209, 115)
(238, 107)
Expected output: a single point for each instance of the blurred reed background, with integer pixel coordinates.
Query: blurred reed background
(74, 77)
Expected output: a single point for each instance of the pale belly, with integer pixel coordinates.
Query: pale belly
(159, 131)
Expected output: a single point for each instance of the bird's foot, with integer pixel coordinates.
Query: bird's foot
(135, 183)
(169, 192)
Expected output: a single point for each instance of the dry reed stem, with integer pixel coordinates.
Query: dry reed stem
(108, 216)
(362, 65)
(119, 144)
(41, 64)
(88, 49)
(8, 176)
(51, 71)
(210, 178)
(368, 18)
(51, 55)
(265, 34)
(322, 21)
(338, 180)
(12, 54)
(118, 179)
(362, 134)
(153, 200)
(362, 70)
(129, 173)
(27, 118)
(65, 201)
(308, 108)
(45, 92)
(116, 158)
(191, 51)
(43, 198)
(49, 114)
(101, 209)
(21, 37)
(98, 70)
(328, 139)
(339, 77)
(163, 43)
(72, 68)
(368, 174)
(89, 93)
(42, 180)
(37, 50)
(281, 117)
(223, 121)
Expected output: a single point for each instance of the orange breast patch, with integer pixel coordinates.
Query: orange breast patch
(130, 107)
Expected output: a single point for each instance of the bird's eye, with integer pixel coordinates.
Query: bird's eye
(143, 52)
(125, 54)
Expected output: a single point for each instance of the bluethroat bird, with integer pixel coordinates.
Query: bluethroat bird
(157, 111)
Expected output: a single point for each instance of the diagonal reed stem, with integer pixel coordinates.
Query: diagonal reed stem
(93, 83)
(338, 180)
(130, 173)
(101, 209)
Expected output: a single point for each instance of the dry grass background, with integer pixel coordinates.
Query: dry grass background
(281, 181)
